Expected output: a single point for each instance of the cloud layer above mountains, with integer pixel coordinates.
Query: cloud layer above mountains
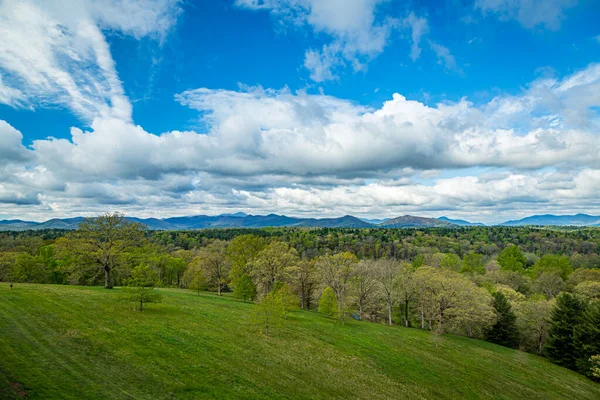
(274, 150)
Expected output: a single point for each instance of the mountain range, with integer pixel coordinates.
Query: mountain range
(242, 220)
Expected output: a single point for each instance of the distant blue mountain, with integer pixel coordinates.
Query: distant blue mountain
(375, 221)
(242, 220)
(237, 214)
(460, 222)
(557, 220)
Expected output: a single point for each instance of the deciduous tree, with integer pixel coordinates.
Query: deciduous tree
(272, 264)
(244, 288)
(141, 286)
(213, 263)
(364, 284)
(512, 259)
(336, 272)
(386, 271)
(101, 241)
(328, 303)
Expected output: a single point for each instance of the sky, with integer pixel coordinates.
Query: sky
(485, 110)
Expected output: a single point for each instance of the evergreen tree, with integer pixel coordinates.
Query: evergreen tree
(328, 303)
(587, 338)
(244, 288)
(560, 347)
(504, 332)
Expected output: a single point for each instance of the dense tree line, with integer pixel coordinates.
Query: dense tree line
(529, 288)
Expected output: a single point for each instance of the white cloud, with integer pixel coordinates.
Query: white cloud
(268, 150)
(445, 57)
(357, 33)
(419, 28)
(276, 151)
(529, 13)
(54, 52)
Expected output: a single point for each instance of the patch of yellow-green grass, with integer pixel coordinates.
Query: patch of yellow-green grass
(82, 342)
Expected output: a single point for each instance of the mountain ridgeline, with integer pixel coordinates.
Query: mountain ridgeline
(241, 220)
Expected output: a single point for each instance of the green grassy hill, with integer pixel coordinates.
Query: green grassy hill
(81, 342)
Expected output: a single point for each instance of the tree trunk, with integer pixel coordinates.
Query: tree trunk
(422, 318)
(107, 283)
(406, 321)
(219, 288)
(303, 299)
(360, 310)
(390, 313)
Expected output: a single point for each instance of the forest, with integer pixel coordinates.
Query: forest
(533, 289)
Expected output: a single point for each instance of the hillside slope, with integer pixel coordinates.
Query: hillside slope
(80, 342)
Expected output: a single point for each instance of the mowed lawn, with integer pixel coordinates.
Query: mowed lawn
(69, 342)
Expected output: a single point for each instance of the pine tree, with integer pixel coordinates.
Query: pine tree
(504, 332)
(328, 303)
(586, 337)
(560, 347)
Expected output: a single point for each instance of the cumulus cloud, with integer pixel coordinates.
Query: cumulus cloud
(277, 150)
(274, 150)
(529, 13)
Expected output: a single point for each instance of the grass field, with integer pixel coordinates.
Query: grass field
(83, 343)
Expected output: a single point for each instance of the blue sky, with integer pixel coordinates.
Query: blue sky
(485, 110)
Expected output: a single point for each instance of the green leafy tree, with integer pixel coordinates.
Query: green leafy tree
(386, 272)
(473, 263)
(267, 314)
(285, 296)
(504, 332)
(512, 259)
(560, 265)
(198, 281)
(141, 286)
(418, 261)
(533, 320)
(7, 266)
(587, 338)
(548, 284)
(566, 314)
(451, 261)
(364, 285)
(407, 290)
(214, 265)
(241, 253)
(595, 369)
(273, 264)
(102, 242)
(588, 291)
(244, 288)
(304, 277)
(336, 272)
(328, 303)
